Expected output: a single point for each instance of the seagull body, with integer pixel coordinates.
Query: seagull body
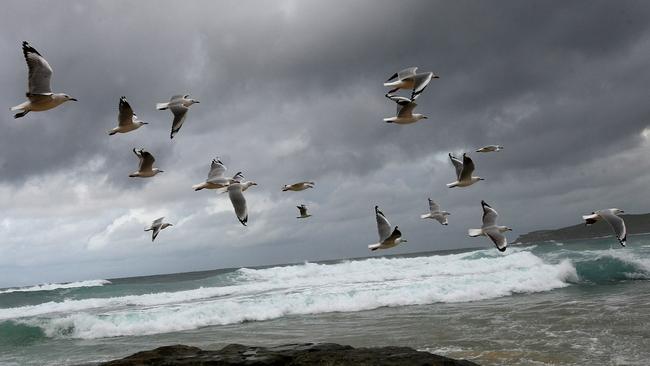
(156, 226)
(146, 169)
(491, 229)
(300, 186)
(39, 92)
(436, 214)
(387, 239)
(610, 215)
(490, 148)
(303, 212)
(410, 79)
(244, 185)
(238, 201)
(405, 113)
(216, 179)
(178, 105)
(127, 121)
(464, 172)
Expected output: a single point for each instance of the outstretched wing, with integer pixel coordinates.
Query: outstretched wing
(433, 207)
(125, 116)
(468, 168)
(406, 110)
(489, 215)
(146, 161)
(302, 209)
(383, 225)
(420, 82)
(40, 72)
(617, 224)
(457, 164)
(216, 169)
(238, 202)
(497, 238)
(407, 73)
(179, 111)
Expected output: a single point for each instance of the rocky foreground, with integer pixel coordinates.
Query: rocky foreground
(329, 354)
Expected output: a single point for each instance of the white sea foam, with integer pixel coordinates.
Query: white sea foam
(56, 286)
(310, 288)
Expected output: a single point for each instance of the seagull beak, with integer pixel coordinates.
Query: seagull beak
(436, 77)
(73, 99)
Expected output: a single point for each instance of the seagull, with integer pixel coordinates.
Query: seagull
(386, 238)
(405, 113)
(244, 185)
(491, 229)
(611, 216)
(238, 201)
(303, 212)
(39, 91)
(178, 105)
(146, 169)
(300, 186)
(126, 120)
(410, 79)
(435, 213)
(464, 172)
(156, 226)
(490, 148)
(216, 180)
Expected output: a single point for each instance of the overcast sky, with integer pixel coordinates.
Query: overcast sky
(292, 91)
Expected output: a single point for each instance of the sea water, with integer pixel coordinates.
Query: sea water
(572, 303)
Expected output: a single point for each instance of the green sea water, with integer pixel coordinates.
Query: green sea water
(572, 303)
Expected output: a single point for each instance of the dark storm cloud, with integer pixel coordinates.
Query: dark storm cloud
(291, 90)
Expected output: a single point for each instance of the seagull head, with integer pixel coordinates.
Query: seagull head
(618, 211)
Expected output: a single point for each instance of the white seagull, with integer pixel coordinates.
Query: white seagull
(303, 212)
(39, 91)
(126, 120)
(464, 172)
(238, 201)
(405, 113)
(145, 169)
(216, 179)
(611, 216)
(387, 239)
(491, 229)
(300, 186)
(435, 213)
(490, 148)
(178, 105)
(156, 226)
(410, 79)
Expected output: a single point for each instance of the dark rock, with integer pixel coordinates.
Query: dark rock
(308, 354)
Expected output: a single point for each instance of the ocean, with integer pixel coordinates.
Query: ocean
(574, 303)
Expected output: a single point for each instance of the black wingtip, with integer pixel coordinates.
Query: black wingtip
(27, 48)
(502, 249)
(244, 221)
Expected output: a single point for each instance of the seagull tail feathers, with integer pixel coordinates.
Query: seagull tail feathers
(374, 247)
(162, 106)
(452, 185)
(425, 216)
(198, 187)
(474, 232)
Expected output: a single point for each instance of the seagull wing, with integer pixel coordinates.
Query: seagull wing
(40, 72)
(383, 225)
(617, 224)
(406, 110)
(497, 238)
(468, 168)
(407, 73)
(179, 111)
(216, 170)
(420, 82)
(125, 116)
(302, 209)
(490, 215)
(433, 207)
(457, 164)
(146, 161)
(238, 202)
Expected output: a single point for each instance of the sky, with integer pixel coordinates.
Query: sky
(292, 91)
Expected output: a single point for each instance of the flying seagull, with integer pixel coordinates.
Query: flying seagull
(491, 229)
(303, 212)
(216, 179)
(464, 172)
(410, 79)
(405, 113)
(126, 120)
(611, 216)
(435, 213)
(238, 201)
(39, 91)
(300, 186)
(178, 105)
(156, 226)
(387, 239)
(490, 148)
(146, 169)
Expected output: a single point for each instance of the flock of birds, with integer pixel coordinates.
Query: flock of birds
(41, 98)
